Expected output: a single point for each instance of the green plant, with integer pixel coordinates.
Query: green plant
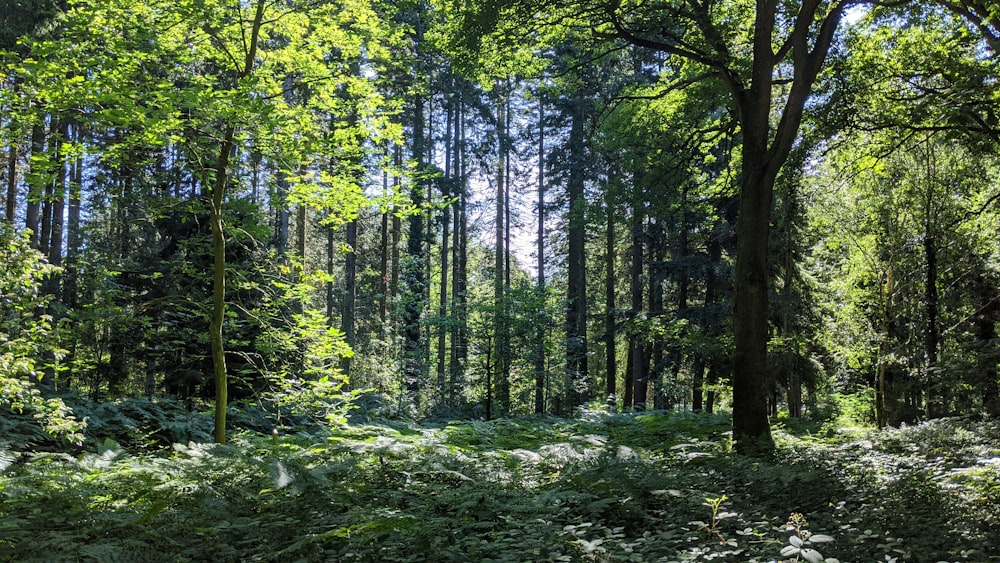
(711, 528)
(801, 541)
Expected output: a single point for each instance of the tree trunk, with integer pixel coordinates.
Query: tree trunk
(499, 265)
(12, 156)
(218, 314)
(347, 315)
(413, 273)
(442, 337)
(34, 179)
(459, 262)
(540, 375)
(751, 428)
(611, 354)
(635, 372)
(578, 391)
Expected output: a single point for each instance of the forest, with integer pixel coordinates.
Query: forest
(500, 280)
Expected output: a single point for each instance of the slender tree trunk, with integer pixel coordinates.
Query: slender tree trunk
(611, 352)
(540, 374)
(34, 179)
(578, 390)
(301, 219)
(414, 271)
(397, 232)
(347, 313)
(218, 315)
(459, 261)
(11, 202)
(499, 272)
(446, 182)
(56, 233)
(634, 373)
(383, 299)
(73, 229)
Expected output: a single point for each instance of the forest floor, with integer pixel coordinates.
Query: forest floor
(658, 486)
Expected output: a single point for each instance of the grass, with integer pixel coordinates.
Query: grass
(660, 486)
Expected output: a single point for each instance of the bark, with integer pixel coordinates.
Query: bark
(413, 273)
(73, 229)
(611, 353)
(459, 262)
(442, 337)
(35, 189)
(635, 372)
(219, 245)
(383, 299)
(11, 201)
(576, 262)
(540, 375)
(347, 313)
(500, 265)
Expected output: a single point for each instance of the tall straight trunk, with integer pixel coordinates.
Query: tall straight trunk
(281, 216)
(301, 218)
(611, 353)
(34, 179)
(446, 181)
(794, 394)
(413, 274)
(985, 323)
(218, 314)
(578, 391)
(10, 207)
(383, 269)
(331, 253)
(750, 312)
(397, 231)
(540, 375)
(56, 232)
(634, 373)
(499, 272)
(73, 228)
(652, 354)
(936, 391)
(459, 261)
(347, 313)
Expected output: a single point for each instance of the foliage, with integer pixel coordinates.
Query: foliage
(24, 339)
(539, 489)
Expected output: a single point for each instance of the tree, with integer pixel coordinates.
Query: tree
(768, 63)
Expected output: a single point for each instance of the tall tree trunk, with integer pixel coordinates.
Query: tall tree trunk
(347, 313)
(578, 391)
(459, 261)
(446, 181)
(34, 179)
(611, 353)
(56, 232)
(413, 273)
(383, 299)
(751, 427)
(301, 219)
(499, 272)
(634, 373)
(397, 231)
(10, 202)
(652, 359)
(540, 374)
(73, 228)
(218, 314)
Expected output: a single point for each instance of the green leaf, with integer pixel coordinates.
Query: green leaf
(811, 555)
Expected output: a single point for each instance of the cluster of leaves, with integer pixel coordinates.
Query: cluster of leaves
(648, 487)
(24, 332)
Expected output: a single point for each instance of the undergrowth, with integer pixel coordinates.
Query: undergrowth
(655, 486)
